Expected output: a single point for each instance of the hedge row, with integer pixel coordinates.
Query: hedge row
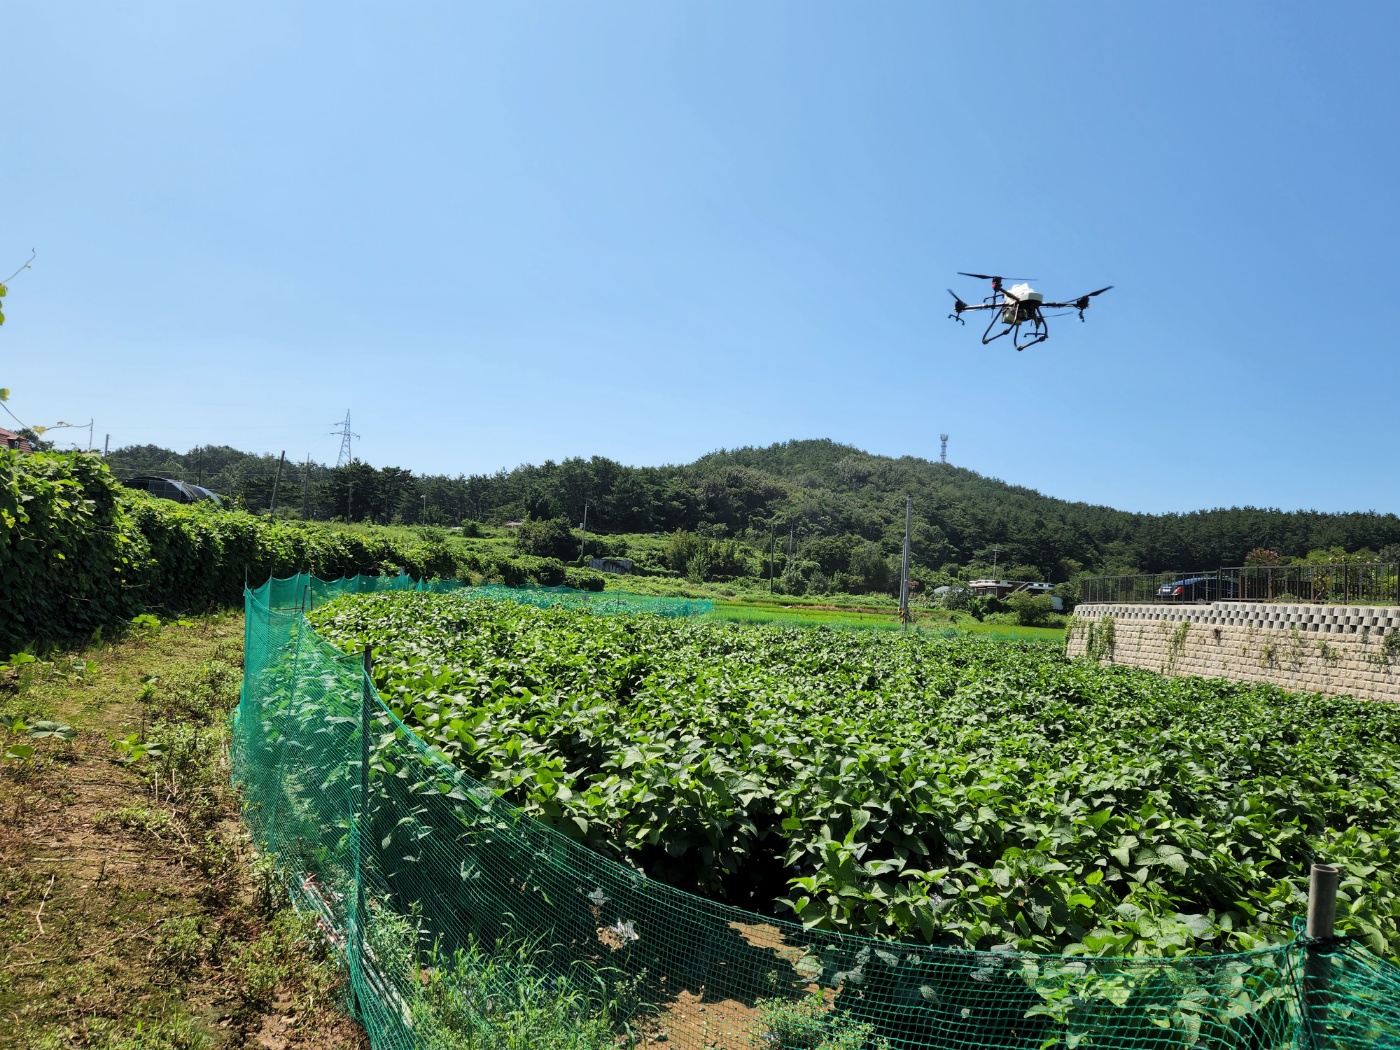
(79, 553)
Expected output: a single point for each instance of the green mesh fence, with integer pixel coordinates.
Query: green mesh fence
(465, 923)
(602, 602)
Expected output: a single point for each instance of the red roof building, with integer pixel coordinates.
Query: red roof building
(9, 439)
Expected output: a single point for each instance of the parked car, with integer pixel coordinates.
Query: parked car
(1198, 589)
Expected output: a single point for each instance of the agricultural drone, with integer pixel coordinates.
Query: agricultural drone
(1016, 306)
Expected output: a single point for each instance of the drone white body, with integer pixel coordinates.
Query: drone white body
(1020, 293)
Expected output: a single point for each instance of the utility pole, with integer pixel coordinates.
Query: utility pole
(583, 531)
(276, 484)
(770, 557)
(106, 444)
(904, 566)
(423, 517)
(305, 474)
(201, 466)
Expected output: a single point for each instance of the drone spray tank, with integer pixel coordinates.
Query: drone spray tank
(1022, 293)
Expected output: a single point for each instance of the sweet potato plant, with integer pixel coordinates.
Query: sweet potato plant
(962, 791)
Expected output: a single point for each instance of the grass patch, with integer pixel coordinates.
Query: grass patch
(933, 623)
(134, 914)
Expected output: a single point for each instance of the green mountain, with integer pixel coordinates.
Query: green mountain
(837, 502)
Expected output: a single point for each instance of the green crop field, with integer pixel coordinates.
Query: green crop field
(936, 624)
(958, 790)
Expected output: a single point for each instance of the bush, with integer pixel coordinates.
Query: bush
(1031, 610)
(548, 572)
(67, 551)
(503, 570)
(549, 538)
(583, 579)
(78, 552)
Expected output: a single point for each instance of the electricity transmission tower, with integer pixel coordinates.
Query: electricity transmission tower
(943, 455)
(342, 431)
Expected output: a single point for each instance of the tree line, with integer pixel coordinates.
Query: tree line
(843, 508)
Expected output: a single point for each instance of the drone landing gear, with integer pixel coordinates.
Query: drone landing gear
(1040, 331)
(987, 336)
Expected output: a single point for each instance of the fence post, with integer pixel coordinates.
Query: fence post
(357, 946)
(1317, 962)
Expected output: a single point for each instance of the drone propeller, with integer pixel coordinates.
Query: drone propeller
(1082, 303)
(958, 307)
(990, 277)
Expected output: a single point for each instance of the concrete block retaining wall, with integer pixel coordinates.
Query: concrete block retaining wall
(1337, 650)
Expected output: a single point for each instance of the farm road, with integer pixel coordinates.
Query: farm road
(131, 908)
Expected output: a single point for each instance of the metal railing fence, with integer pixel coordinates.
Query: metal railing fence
(1342, 583)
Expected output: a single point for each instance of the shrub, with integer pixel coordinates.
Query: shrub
(583, 579)
(548, 538)
(548, 572)
(67, 550)
(79, 553)
(1031, 610)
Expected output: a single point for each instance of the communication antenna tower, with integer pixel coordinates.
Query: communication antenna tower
(942, 456)
(342, 431)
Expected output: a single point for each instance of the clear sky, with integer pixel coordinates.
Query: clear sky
(501, 233)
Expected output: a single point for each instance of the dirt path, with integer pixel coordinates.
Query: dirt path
(132, 912)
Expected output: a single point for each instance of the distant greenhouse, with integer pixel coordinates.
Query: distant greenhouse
(169, 488)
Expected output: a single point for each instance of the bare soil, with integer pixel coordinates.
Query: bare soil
(132, 914)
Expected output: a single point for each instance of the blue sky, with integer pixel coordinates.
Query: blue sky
(500, 233)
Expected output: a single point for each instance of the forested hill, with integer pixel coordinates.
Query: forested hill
(827, 493)
(852, 488)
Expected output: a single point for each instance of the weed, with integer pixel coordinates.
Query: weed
(807, 1024)
(182, 945)
(204, 693)
(181, 1034)
(269, 893)
(1176, 644)
(1295, 647)
(1331, 657)
(144, 628)
(142, 819)
(502, 997)
(1101, 640)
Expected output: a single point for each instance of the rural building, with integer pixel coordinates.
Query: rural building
(1001, 588)
(618, 565)
(9, 439)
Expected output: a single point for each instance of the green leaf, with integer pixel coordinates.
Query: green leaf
(40, 730)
